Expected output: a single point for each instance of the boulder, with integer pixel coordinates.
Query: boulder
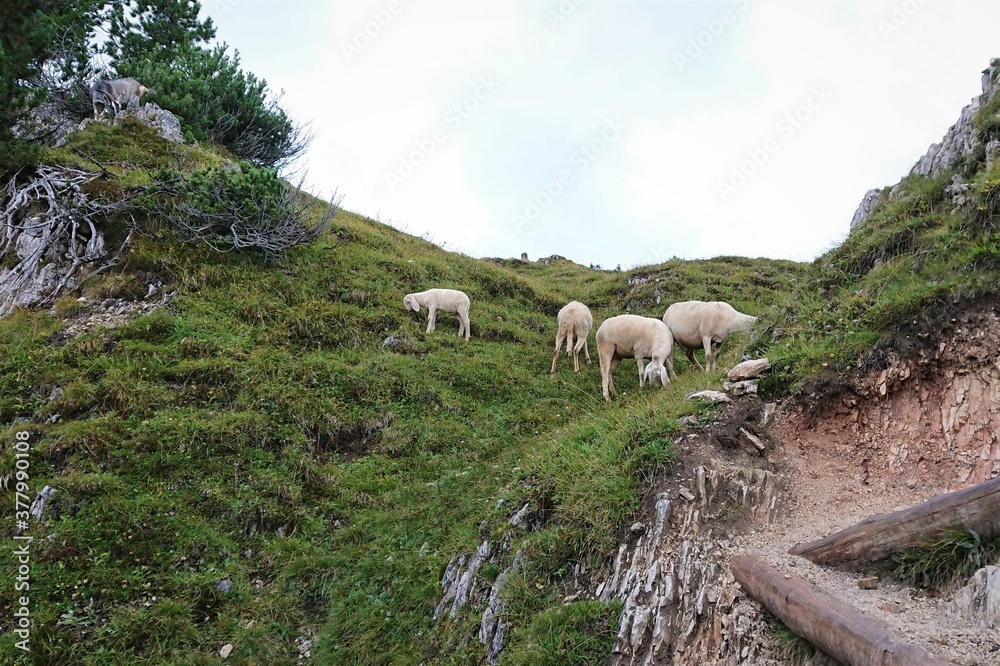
(749, 370)
(710, 396)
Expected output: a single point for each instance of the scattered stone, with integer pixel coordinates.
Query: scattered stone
(690, 420)
(305, 641)
(226, 650)
(869, 583)
(686, 494)
(749, 370)
(753, 439)
(520, 519)
(710, 396)
(768, 413)
(746, 387)
(891, 607)
(224, 585)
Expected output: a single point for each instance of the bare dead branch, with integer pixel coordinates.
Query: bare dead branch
(50, 230)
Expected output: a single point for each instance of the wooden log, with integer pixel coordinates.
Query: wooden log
(837, 628)
(876, 538)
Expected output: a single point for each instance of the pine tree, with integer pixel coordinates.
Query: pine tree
(162, 44)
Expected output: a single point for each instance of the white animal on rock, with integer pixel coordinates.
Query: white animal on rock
(575, 321)
(116, 94)
(446, 300)
(697, 324)
(632, 336)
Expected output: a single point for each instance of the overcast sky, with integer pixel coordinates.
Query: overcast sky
(615, 132)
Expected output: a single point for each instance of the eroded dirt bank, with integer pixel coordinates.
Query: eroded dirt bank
(918, 423)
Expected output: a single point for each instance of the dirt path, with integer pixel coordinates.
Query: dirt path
(912, 430)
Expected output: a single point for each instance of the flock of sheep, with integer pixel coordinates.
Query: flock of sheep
(689, 324)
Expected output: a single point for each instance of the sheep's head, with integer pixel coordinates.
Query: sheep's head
(656, 370)
(410, 303)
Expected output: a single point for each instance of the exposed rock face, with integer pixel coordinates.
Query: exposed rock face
(944, 404)
(871, 199)
(963, 137)
(680, 603)
(462, 586)
(961, 140)
(52, 122)
(979, 601)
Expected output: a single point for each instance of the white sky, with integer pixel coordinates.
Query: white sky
(615, 132)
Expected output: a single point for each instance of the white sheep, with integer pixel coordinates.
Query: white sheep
(575, 321)
(446, 300)
(632, 336)
(697, 324)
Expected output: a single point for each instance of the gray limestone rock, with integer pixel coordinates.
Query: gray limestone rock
(871, 199)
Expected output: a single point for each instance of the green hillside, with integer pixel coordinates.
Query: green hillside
(283, 454)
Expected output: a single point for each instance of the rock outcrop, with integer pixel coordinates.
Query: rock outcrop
(871, 199)
(960, 141)
(680, 603)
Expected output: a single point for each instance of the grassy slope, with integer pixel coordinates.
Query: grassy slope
(262, 402)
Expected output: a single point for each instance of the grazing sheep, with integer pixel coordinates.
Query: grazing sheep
(116, 94)
(696, 324)
(446, 300)
(576, 321)
(632, 336)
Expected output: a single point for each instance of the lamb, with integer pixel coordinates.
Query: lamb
(632, 336)
(446, 300)
(116, 94)
(698, 324)
(575, 321)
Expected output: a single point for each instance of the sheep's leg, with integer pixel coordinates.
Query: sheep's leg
(585, 350)
(606, 386)
(555, 357)
(669, 362)
(709, 357)
(580, 342)
(608, 365)
(642, 375)
(694, 361)
(431, 313)
(464, 318)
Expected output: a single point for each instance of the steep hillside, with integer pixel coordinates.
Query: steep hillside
(267, 460)
(279, 459)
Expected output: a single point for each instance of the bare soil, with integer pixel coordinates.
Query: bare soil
(907, 430)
